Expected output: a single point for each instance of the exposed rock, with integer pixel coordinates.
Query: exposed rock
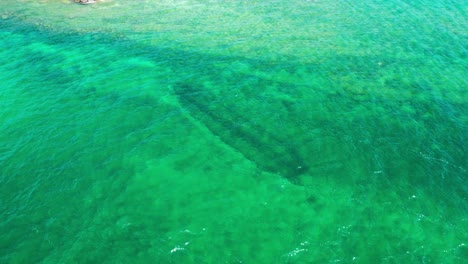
(85, 2)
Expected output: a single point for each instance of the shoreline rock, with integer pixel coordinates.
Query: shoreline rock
(85, 2)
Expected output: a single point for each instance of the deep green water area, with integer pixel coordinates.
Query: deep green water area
(196, 131)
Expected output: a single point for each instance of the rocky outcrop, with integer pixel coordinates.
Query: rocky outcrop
(85, 2)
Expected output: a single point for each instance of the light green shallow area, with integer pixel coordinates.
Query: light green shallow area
(233, 131)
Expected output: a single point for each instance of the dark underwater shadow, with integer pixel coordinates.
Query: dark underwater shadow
(287, 127)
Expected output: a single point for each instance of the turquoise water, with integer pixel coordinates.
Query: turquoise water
(240, 132)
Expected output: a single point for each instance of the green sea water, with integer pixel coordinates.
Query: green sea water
(197, 131)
